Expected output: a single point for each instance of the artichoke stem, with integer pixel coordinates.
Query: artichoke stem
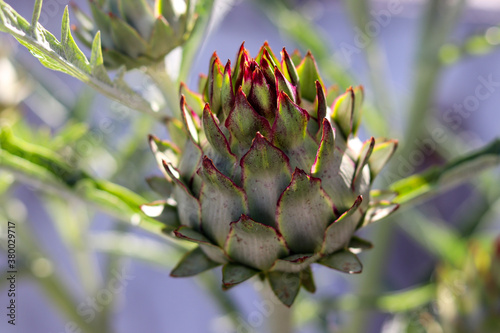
(279, 316)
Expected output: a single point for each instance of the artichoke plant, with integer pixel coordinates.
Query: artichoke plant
(265, 177)
(136, 32)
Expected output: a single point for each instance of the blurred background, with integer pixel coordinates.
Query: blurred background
(430, 71)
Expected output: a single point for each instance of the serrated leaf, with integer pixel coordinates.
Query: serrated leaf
(73, 54)
(265, 175)
(233, 274)
(285, 286)
(304, 211)
(52, 54)
(193, 263)
(222, 202)
(254, 244)
(343, 261)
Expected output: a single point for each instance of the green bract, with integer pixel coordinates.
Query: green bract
(136, 32)
(267, 178)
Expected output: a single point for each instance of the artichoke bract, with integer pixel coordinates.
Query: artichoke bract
(136, 32)
(265, 177)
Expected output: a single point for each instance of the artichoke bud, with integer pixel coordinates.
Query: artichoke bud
(136, 32)
(270, 178)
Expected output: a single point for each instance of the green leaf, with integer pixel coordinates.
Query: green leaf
(265, 174)
(308, 74)
(222, 202)
(289, 68)
(193, 100)
(188, 120)
(320, 104)
(335, 169)
(284, 86)
(161, 185)
(163, 212)
(214, 252)
(216, 138)
(233, 274)
(343, 111)
(261, 95)
(420, 186)
(285, 286)
(382, 152)
(254, 244)
(344, 261)
(304, 211)
(161, 41)
(338, 234)
(65, 56)
(358, 244)
(188, 206)
(48, 171)
(244, 122)
(289, 133)
(379, 211)
(307, 280)
(295, 263)
(193, 263)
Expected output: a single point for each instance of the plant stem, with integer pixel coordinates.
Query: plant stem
(280, 318)
(439, 19)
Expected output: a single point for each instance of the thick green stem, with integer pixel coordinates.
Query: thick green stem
(280, 318)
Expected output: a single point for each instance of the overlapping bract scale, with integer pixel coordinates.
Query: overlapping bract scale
(271, 179)
(136, 32)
